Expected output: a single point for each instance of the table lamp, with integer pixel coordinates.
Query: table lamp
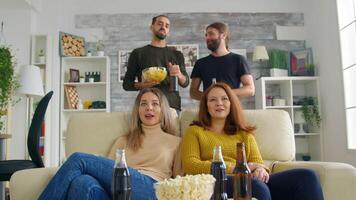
(299, 119)
(260, 55)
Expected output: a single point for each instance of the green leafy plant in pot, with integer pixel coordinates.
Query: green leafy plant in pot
(278, 62)
(311, 111)
(8, 82)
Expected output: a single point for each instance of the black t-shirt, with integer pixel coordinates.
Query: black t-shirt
(228, 68)
(149, 56)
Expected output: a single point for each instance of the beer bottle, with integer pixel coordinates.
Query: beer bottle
(121, 182)
(241, 175)
(218, 170)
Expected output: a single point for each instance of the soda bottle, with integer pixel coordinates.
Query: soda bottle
(218, 170)
(241, 175)
(121, 182)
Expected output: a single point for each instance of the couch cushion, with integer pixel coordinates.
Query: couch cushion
(94, 132)
(274, 133)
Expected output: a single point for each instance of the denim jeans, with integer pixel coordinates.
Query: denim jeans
(85, 176)
(297, 184)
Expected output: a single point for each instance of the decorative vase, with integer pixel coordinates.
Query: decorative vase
(41, 59)
(3, 123)
(278, 72)
(100, 53)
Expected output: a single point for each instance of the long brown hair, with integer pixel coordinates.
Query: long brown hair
(235, 120)
(222, 28)
(135, 133)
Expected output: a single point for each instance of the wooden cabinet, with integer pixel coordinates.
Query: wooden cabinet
(286, 93)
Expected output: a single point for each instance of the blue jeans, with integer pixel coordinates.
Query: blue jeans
(85, 176)
(296, 184)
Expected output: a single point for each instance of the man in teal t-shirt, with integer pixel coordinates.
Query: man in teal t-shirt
(157, 54)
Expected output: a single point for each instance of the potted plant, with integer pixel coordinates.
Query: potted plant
(100, 48)
(311, 111)
(8, 83)
(311, 69)
(41, 57)
(278, 62)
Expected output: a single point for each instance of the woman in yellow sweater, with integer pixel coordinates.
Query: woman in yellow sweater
(152, 153)
(221, 122)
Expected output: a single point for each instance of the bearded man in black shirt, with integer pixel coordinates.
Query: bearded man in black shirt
(221, 65)
(157, 54)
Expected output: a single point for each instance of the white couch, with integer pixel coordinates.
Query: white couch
(94, 133)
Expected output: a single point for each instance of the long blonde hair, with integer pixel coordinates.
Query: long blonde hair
(135, 133)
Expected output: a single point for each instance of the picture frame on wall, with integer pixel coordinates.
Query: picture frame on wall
(123, 59)
(190, 53)
(71, 45)
(74, 75)
(301, 62)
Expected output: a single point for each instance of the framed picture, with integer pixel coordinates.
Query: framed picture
(301, 62)
(71, 45)
(241, 52)
(189, 51)
(73, 75)
(123, 58)
(72, 96)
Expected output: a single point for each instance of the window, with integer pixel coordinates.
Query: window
(347, 27)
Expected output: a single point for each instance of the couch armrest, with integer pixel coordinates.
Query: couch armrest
(338, 180)
(28, 184)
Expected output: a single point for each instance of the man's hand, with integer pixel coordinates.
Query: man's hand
(145, 84)
(174, 70)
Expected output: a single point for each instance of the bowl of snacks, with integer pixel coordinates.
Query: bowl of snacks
(197, 187)
(154, 74)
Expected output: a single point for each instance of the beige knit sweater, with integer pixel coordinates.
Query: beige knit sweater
(159, 156)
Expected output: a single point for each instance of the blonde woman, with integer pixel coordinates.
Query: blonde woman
(152, 153)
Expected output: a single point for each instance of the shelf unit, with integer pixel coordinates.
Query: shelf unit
(87, 91)
(43, 44)
(290, 89)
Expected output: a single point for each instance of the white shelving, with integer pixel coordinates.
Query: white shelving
(87, 91)
(41, 55)
(290, 89)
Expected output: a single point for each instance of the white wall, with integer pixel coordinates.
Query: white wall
(16, 17)
(323, 36)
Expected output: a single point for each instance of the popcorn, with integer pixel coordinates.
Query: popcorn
(190, 187)
(154, 73)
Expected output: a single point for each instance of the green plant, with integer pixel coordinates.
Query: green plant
(311, 69)
(8, 80)
(311, 111)
(99, 45)
(278, 58)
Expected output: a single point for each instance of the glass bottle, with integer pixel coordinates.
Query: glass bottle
(121, 182)
(241, 175)
(218, 170)
(173, 83)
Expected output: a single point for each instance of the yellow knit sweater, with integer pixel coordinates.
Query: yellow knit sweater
(198, 144)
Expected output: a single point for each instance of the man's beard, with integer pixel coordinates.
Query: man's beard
(214, 44)
(160, 35)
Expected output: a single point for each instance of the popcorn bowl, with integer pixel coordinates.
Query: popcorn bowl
(197, 187)
(154, 74)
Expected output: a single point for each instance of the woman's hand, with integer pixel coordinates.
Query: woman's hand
(261, 174)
